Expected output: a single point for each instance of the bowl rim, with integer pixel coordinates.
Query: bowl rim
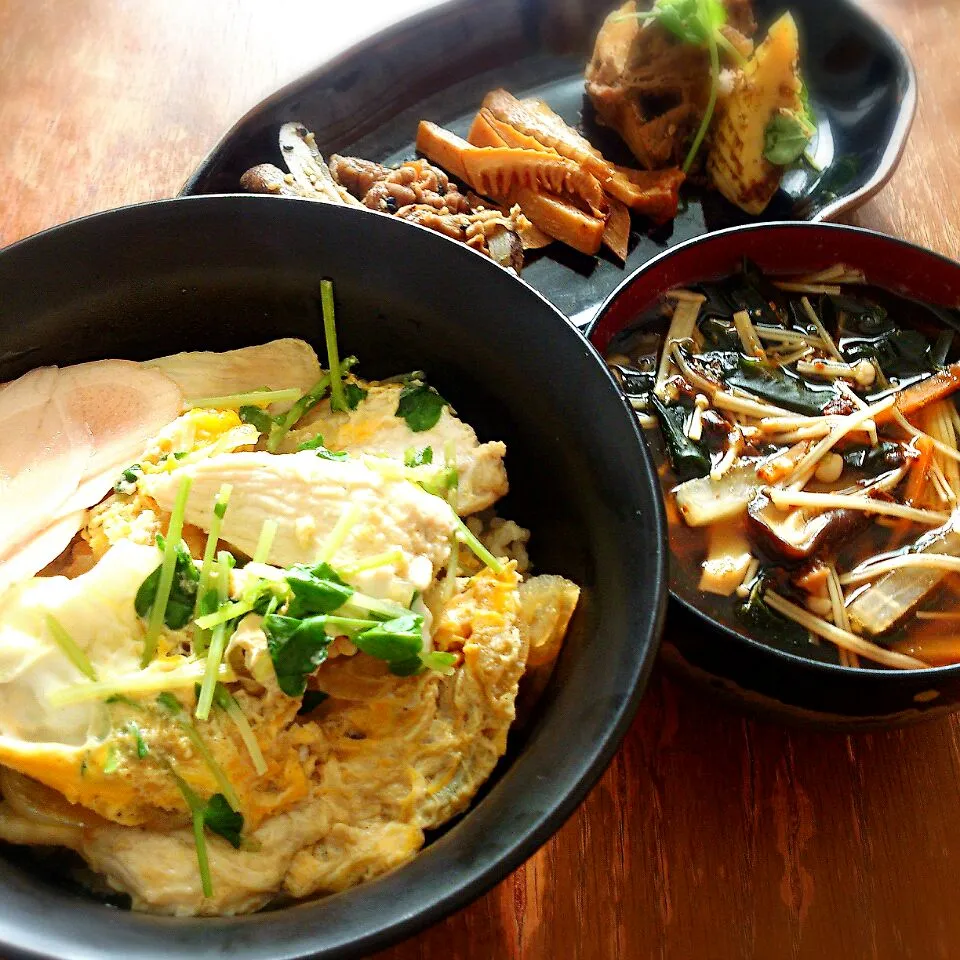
(834, 670)
(539, 824)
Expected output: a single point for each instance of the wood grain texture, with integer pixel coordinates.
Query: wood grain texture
(711, 836)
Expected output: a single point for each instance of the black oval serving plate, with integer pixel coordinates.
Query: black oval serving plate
(782, 682)
(439, 65)
(219, 272)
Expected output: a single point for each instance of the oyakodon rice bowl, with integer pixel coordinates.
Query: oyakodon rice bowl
(330, 603)
(273, 654)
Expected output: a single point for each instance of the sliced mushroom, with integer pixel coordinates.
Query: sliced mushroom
(266, 178)
(794, 536)
(310, 171)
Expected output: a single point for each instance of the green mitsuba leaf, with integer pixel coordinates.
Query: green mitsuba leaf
(317, 589)
(396, 641)
(420, 405)
(183, 593)
(220, 819)
(418, 458)
(257, 417)
(317, 445)
(692, 21)
(311, 700)
(126, 483)
(786, 138)
(297, 648)
(353, 393)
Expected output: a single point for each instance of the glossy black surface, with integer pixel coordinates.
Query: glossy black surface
(763, 679)
(438, 66)
(218, 272)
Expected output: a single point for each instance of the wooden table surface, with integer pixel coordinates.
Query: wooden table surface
(711, 836)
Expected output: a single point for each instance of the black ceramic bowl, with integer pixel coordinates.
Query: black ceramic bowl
(218, 272)
(760, 677)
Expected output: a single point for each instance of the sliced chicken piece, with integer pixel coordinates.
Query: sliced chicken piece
(75, 428)
(121, 405)
(42, 460)
(276, 365)
(373, 427)
(307, 496)
(40, 550)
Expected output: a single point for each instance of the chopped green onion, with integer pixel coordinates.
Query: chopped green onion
(339, 533)
(218, 642)
(224, 699)
(167, 568)
(265, 542)
(69, 646)
(255, 398)
(338, 400)
(141, 682)
(482, 553)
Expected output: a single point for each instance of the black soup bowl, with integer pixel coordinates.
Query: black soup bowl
(741, 670)
(221, 271)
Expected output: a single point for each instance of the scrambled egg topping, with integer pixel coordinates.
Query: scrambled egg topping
(325, 753)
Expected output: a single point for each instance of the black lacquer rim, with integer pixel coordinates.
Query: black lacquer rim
(931, 673)
(539, 825)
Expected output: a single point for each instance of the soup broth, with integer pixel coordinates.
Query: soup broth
(808, 446)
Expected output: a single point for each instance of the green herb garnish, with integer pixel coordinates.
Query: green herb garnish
(70, 647)
(183, 592)
(418, 458)
(316, 444)
(311, 700)
(257, 417)
(126, 483)
(466, 537)
(141, 744)
(112, 762)
(697, 22)
(173, 706)
(420, 405)
(787, 137)
(218, 817)
(214, 815)
(218, 641)
(297, 648)
(168, 570)
(254, 398)
(225, 700)
(397, 641)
